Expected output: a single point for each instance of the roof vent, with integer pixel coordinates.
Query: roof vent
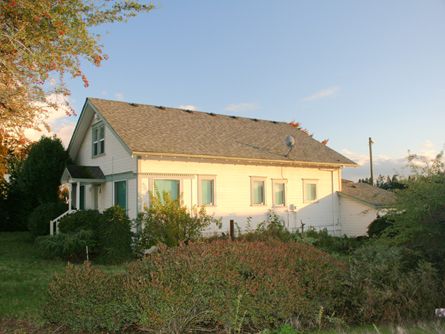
(133, 104)
(234, 117)
(274, 122)
(211, 114)
(188, 110)
(161, 107)
(290, 143)
(255, 119)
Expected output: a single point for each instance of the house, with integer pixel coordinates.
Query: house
(238, 168)
(360, 204)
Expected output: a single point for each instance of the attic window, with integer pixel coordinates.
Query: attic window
(98, 139)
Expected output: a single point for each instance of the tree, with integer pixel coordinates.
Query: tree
(419, 219)
(43, 38)
(34, 181)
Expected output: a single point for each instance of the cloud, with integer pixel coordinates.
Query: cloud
(241, 107)
(60, 124)
(119, 95)
(321, 94)
(385, 165)
(188, 107)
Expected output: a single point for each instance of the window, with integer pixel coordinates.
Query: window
(120, 194)
(206, 191)
(170, 187)
(258, 191)
(279, 192)
(309, 190)
(98, 139)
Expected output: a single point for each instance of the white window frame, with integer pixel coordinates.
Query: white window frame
(206, 178)
(310, 181)
(171, 178)
(279, 181)
(254, 179)
(126, 193)
(97, 127)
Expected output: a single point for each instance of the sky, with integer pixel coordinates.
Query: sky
(346, 69)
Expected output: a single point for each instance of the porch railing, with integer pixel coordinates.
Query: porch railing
(54, 224)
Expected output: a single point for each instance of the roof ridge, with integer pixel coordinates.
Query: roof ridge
(194, 111)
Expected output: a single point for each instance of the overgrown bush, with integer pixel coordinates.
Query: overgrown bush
(219, 286)
(67, 246)
(168, 222)
(38, 220)
(114, 236)
(379, 225)
(388, 285)
(80, 220)
(108, 237)
(85, 299)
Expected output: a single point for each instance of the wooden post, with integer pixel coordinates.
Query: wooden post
(78, 196)
(232, 229)
(370, 161)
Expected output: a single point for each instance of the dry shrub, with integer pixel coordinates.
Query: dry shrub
(230, 285)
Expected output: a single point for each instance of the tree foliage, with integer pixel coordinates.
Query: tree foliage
(419, 218)
(43, 38)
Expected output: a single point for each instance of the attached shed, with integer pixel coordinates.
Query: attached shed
(360, 204)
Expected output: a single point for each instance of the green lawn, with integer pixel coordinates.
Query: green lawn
(24, 277)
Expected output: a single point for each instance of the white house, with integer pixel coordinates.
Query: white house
(238, 168)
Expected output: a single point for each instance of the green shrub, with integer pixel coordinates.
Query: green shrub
(379, 225)
(114, 237)
(85, 299)
(67, 246)
(271, 229)
(168, 222)
(387, 285)
(108, 237)
(80, 220)
(38, 220)
(329, 243)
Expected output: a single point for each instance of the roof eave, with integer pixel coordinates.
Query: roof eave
(243, 159)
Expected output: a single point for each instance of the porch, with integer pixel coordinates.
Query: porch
(76, 178)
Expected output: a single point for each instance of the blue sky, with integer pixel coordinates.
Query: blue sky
(346, 70)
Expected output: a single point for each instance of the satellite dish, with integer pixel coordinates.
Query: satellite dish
(290, 143)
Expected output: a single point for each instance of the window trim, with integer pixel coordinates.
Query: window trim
(279, 181)
(256, 179)
(126, 193)
(310, 181)
(206, 178)
(97, 125)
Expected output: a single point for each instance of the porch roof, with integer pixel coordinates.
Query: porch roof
(86, 174)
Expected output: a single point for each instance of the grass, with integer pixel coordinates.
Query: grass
(437, 327)
(24, 277)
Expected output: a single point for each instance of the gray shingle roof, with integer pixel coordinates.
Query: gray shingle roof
(152, 129)
(365, 192)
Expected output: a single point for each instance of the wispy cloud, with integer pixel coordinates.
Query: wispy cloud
(385, 165)
(321, 94)
(119, 95)
(59, 123)
(188, 107)
(241, 107)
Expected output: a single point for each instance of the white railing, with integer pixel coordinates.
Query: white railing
(55, 222)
